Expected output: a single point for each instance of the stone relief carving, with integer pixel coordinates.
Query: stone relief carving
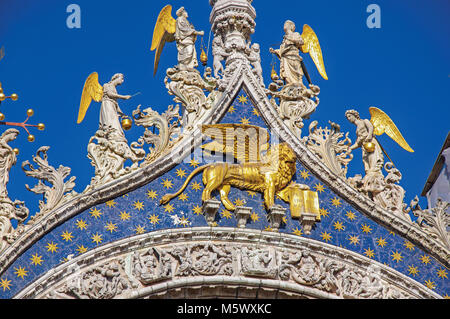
(335, 277)
(258, 262)
(151, 265)
(105, 281)
(59, 191)
(330, 145)
(203, 260)
(330, 274)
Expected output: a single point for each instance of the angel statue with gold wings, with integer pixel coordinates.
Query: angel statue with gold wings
(292, 68)
(107, 94)
(372, 151)
(111, 151)
(180, 30)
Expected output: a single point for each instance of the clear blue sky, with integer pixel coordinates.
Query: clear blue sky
(402, 68)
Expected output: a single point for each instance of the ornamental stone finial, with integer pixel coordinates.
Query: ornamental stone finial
(234, 20)
(233, 23)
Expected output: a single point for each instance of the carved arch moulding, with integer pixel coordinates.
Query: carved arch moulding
(222, 262)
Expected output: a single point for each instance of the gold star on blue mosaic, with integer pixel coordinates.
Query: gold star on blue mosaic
(167, 183)
(139, 229)
(36, 260)
(369, 253)
(181, 173)
(81, 224)
(5, 284)
(196, 186)
(226, 214)
(430, 284)
(96, 213)
(197, 210)
(396, 256)
(319, 188)
(111, 227)
(154, 219)
(124, 216)
(381, 242)
(138, 205)
(297, 232)
(168, 208)
(336, 202)
(413, 270)
(354, 240)
(20, 272)
(111, 203)
(326, 236)
(243, 99)
(81, 249)
(151, 194)
(67, 236)
(338, 226)
(97, 238)
(52, 247)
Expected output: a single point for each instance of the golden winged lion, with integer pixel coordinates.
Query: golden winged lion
(260, 168)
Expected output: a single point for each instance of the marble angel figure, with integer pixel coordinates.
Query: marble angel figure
(180, 30)
(372, 152)
(291, 65)
(108, 96)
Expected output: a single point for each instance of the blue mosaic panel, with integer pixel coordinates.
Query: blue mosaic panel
(139, 212)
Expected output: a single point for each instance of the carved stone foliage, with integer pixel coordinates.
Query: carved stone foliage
(59, 191)
(295, 102)
(167, 126)
(9, 210)
(189, 88)
(330, 145)
(327, 275)
(109, 154)
(434, 221)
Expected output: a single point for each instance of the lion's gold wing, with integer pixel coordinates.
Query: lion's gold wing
(382, 123)
(245, 142)
(164, 32)
(311, 45)
(92, 90)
